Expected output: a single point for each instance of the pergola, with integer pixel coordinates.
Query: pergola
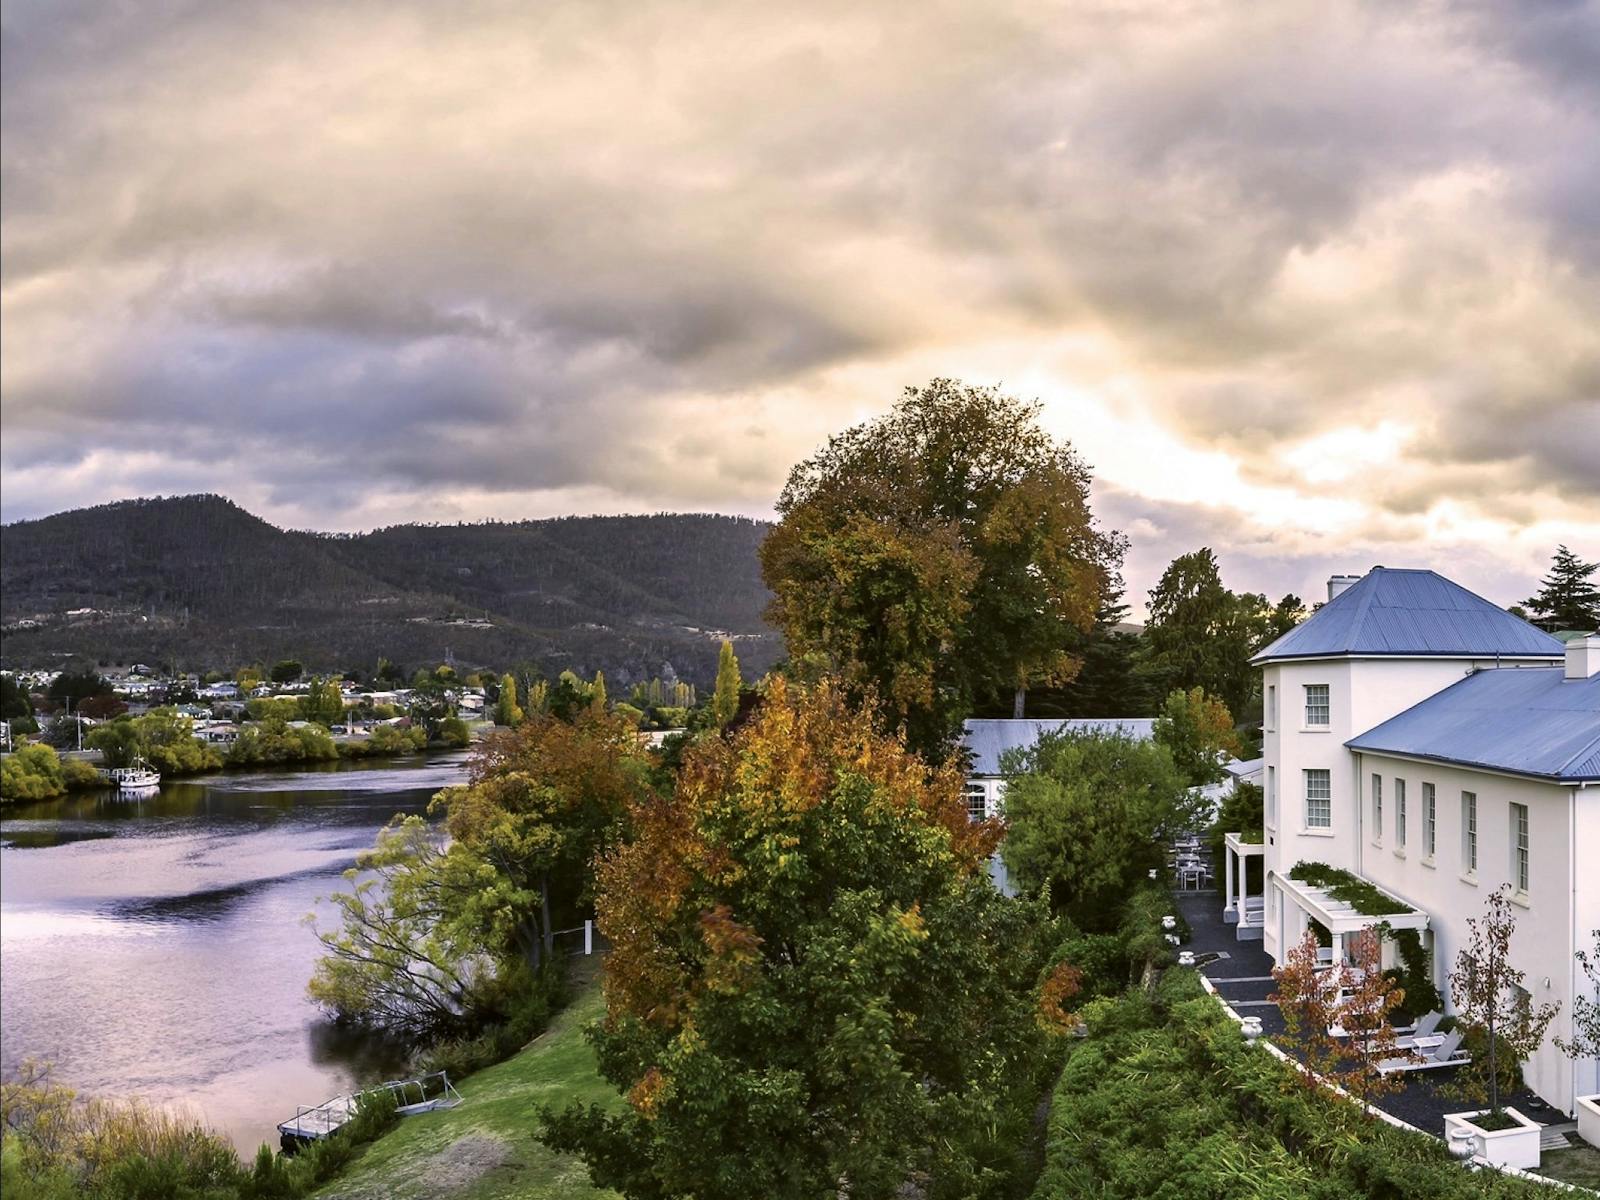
(1241, 908)
(1339, 917)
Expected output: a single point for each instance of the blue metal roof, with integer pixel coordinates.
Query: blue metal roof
(987, 740)
(1411, 613)
(1524, 720)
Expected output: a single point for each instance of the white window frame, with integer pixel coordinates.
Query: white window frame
(1430, 821)
(1324, 777)
(1377, 809)
(1320, 705)
(1469, 832)
(1399, 815)
(976, 790)
(1272, 797)
(1521, 872)
(1272, 707)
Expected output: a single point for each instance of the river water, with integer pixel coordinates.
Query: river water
(159, 947)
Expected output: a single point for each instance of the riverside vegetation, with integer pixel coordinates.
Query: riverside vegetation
(812, 989)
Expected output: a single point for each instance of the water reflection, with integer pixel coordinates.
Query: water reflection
(159, 945)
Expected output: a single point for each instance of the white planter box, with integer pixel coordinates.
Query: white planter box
(1516, 1147)
(1589, 1119)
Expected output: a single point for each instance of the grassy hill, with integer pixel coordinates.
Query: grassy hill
(198, 583)
(485, 1149)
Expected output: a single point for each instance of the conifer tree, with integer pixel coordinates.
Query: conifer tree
(597, 693)
(1567, 598)
(725, 700)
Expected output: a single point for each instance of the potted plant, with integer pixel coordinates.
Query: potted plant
(1488, 997)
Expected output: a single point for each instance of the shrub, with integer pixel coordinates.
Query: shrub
(1164, 1099)
(32, 773)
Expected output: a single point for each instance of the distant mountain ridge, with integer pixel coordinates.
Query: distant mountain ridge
(199, 582)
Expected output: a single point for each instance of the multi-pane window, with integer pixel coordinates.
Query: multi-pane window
(1430, 820)
(1316, 704)
(1272, 797)
(1519, 846)
(1319, 800)
(977, 801)
(1377, 807)
(1400, 814)
(1469, 831)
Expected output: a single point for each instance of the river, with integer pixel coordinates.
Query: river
(159, 948)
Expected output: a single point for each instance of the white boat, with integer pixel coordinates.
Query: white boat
(137, 776)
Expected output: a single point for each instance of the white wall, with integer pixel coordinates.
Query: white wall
(1361, 693)
(1551, 920)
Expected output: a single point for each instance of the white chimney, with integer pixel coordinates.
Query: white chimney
(1583, 656)
(1338, 583)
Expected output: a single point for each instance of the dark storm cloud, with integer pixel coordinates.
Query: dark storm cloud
(494, 258)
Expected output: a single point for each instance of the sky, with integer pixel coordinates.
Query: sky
(1315, 284)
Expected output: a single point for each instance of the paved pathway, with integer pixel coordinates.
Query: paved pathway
(1242, 976)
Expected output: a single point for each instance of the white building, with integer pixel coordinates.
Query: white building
(1434, 745)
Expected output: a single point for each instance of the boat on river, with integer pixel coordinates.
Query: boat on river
(137, 777)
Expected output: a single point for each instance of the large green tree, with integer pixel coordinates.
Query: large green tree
(1200, 634)
(1198, 732)
(1084, 811)
(813, 989)
(324, 702)
(1568, 597)
(938, 556)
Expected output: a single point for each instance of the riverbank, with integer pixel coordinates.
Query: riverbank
(156, 946)
(486, 1148)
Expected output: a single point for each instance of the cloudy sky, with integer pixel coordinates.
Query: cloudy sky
(1317, 284)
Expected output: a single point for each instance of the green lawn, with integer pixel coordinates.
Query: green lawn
(485, 1148)
(1579, 1165)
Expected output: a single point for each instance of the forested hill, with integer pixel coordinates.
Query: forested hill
(199, 583)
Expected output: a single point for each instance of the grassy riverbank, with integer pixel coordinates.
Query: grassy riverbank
(485, 1149)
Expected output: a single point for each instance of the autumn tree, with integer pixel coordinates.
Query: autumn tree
(1369, 1002)
(940, 555)
(1083, 813)
(725, 699)
(1488, 996)
(1567, 597)
(1307, 996)
(506, 710)
(1357, 999)
(542, 801)
(813, 989)
(1198, 732)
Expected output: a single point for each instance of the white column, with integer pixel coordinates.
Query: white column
(1230, 913)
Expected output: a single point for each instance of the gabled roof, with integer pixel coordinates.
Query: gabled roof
(1409, 614)
(1522, 720)
(988, 739)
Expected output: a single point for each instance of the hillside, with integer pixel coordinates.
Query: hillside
(198, 582)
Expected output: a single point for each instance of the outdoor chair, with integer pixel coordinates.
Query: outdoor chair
(1447, 1053)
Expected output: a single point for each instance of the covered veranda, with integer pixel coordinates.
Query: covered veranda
(1242, 909)
(1304, 903)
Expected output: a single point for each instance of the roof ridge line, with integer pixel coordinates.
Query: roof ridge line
(1585, 752)
(1363, 605)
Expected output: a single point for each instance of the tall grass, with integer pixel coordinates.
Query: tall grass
(53, 1144)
